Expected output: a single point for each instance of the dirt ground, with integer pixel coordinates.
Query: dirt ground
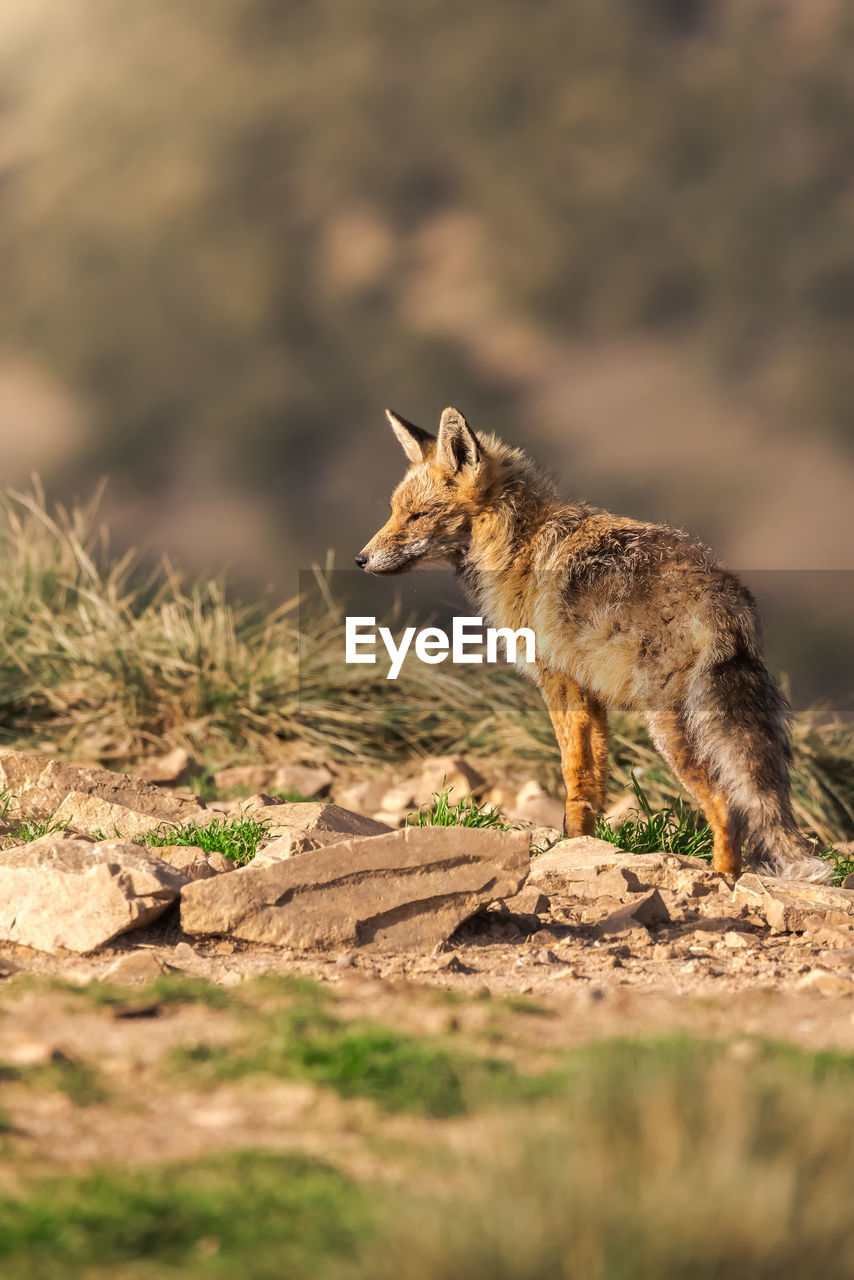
(526, 987)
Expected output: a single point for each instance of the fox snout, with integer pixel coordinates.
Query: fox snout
(391, 556)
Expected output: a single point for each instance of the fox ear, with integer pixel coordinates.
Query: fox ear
(457, 444)
(416, 444)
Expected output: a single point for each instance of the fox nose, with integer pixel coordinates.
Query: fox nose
(361, 560)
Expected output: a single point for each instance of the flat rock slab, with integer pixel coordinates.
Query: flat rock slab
(789, 905)
(588, 868)
(90, 798)
(405, 890)
(71, 895)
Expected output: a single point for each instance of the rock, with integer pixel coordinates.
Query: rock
(580, 866)
(195, 863)
(135, 966)
(27, 1051)
(314, 816)
(294, 842)
(848, 882)
(244, 777)
(401, 799)
(439, 772)
(392, 818)
(533, 804)
(831, 936)
(543, 838)
(826, 983)
(736, 940)
(301, 779)
(529, 901)
(787, 905)
(648, 910)
(173, 769)
(186, 958)
(585, 853)
(365, 796)
(407, 889)
(67, 894)
(90, 798)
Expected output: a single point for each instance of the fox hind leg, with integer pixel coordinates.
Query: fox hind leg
(581, 729)
(673, 744)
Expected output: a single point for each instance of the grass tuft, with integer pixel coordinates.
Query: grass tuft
(464, 813)
(674, 829)
(235, 838)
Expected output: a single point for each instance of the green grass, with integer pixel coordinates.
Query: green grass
(250, 1214)
(660, 1158)
(78, 1080)
(674, 829)
(677, 828)
(171, 989)
(236, 838)
(463, 813)
(399, 1073)
(28, 829)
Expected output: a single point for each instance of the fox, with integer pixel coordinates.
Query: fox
(628, 616)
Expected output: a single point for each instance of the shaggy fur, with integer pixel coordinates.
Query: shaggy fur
(628, 616)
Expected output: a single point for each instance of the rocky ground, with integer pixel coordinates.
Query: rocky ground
(432, 931)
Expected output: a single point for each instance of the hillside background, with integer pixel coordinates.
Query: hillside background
(619, 232)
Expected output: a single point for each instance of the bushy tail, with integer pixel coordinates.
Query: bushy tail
(739, 725)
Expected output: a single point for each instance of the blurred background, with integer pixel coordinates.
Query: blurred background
(618, 232)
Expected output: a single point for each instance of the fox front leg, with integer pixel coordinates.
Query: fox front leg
(581, 729)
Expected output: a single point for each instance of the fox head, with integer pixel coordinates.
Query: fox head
(437, 501)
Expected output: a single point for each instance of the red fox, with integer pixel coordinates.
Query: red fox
(627, 616)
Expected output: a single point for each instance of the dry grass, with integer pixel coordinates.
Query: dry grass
(661, 1161)
(100, 660)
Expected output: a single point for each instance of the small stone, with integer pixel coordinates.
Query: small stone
(135, 966)
(648, 910)
(826, 983)
(345, 961)
(29, 1052)
(363, 797)
(301, 779)
(456, 772)
(246, 777)
(193, 861)
(735, 939)
(453, 964)
(535, 805)
(173, 769)
(545, 956)
(543, 937)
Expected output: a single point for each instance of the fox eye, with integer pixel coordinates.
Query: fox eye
(417, 515)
